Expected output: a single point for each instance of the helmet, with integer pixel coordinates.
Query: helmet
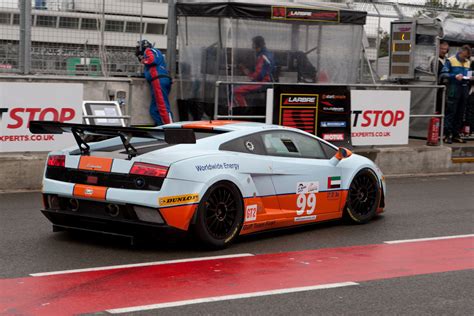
(142, 46)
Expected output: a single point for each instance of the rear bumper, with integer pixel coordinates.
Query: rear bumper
(104, 217)
(67, 220)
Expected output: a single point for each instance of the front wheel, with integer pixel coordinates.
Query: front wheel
(363, 197)
(219, 215)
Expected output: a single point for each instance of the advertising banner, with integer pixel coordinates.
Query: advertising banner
(21, 103)
(380, 117)
(304, 14)
(320, 110)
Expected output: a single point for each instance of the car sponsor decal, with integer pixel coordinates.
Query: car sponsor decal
(307, 187)
(95, 163)
(178, 199)
(333, 195)
(305, 218)
(217, 166)
(251, 213)
(260, 225)
(305, 203)
(334, 182)
(250, 146)
(90, 191)
(333, 124)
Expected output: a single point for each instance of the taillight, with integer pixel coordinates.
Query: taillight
(147, 169)
(57, 161)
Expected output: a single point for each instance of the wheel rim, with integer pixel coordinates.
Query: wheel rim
(363, 194)
(221, 212)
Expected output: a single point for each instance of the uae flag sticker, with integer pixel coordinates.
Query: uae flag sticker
(334, 182)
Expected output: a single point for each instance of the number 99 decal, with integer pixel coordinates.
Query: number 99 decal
(306, 202)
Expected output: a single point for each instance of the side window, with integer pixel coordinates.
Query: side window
(280, 144)
(292, 144)
(330, 151)
(250, 144)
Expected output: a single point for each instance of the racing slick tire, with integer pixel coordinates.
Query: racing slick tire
(219, 216)
(363, 197)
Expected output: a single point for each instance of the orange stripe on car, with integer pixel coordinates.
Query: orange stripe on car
(263, 213)
(208, 124)
(90, 191)
(280, 210)
(95, 163)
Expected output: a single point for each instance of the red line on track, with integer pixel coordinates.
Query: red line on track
(88, 292)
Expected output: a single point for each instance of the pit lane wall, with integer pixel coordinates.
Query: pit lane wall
(23, 171)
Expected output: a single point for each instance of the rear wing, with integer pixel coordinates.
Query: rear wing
(80, 131)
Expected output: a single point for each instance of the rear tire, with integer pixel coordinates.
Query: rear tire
(363, 197)
(219, 216)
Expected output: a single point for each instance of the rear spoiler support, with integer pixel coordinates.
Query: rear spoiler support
(131, 151)
(80, 131)
(79, 137)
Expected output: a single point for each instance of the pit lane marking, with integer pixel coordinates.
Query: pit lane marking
(144, 264)
(401, 241)
(230, 297)
(96, 291)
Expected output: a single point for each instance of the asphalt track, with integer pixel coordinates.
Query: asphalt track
(327, 269)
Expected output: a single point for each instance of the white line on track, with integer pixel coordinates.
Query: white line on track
(426, 239)
(229, 297)
(145, 264)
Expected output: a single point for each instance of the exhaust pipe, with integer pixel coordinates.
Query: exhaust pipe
(73, 205)
(113, 210)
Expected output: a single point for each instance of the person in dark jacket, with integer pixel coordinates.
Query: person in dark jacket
(470, 112)
(456, 70)
(157, 75)
(442, 57)
(264, 69)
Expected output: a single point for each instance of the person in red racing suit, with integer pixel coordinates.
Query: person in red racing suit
(159, 79)
(263, 71)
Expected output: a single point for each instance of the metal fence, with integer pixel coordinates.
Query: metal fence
(78, 37)
(377, 28)
(97, 37)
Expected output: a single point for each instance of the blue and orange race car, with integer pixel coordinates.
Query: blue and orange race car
(216, 179)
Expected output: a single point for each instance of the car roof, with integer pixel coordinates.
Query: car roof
(234, 129)
(223, 125)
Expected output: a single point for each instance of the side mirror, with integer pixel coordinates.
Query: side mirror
(342, 153)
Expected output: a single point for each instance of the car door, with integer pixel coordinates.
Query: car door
(260, 200)
(306, 183)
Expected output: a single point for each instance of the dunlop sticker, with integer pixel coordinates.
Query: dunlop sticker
(178, 199)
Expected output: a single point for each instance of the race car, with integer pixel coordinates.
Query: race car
(214, 179)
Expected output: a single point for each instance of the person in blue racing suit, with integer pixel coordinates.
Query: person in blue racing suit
(157, 75)
(264, 69)
(456, 70)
